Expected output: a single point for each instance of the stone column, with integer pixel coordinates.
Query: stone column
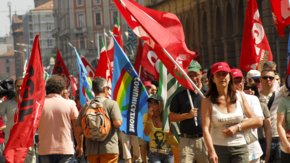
(204, 56)
(238, 48)
(229, 50)
(218, 50)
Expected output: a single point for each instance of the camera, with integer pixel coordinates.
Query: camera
(7, 88)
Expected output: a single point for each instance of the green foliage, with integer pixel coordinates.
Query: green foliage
(3, 76)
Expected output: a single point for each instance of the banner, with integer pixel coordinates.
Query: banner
(281, 14)
(89, 68)
(74, 85)
(30, 104)
(130, 94)
(61, 69)
(255, 47)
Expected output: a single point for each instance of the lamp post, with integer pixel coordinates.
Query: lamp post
(28, 49)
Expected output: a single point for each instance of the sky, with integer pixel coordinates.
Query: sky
(20, 6)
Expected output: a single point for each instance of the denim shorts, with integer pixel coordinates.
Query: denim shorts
(158, 157)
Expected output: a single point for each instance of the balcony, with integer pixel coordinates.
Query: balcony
(80, 30)
(54, 32)
(63, 32)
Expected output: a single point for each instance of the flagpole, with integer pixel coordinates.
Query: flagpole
(185, 74)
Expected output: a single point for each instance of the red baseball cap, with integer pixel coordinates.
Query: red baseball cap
(147, 83)
(237, 73)
(220, 66)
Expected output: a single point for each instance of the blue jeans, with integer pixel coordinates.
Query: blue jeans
(275, 153)
(55, 158)
(160, 158)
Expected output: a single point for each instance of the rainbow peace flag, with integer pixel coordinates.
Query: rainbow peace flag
(130, 94)
(85, 82)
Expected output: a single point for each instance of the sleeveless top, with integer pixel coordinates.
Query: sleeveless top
(221, 121)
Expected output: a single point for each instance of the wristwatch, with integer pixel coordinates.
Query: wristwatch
(240, 127)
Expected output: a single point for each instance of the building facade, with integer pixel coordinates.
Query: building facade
(7, 65)
(83, 23)
(216, 27)
(17, 33)
(39, 21)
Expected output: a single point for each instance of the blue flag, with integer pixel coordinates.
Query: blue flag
(85, 82)
(130, 94)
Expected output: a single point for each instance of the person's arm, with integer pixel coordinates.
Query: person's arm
(147, 121)
(206, 125)
(2, 128)
(117, 123)
(252, 121)
(175, 117)
(268, 135)
(282, 132)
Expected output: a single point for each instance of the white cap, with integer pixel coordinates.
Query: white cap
(254, 74)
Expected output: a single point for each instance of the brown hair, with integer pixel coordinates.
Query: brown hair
(212, 92)
(18, 79)
(161, 109)
(55, 84)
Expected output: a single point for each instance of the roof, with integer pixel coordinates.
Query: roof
(19, 30)
(46, 6)
(9, 53)
(16, 19)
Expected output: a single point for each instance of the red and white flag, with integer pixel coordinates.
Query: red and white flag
(150, 60)
(118, 36)
(28, 113)
(61, 69)
(160, 30)
(89, 68)
(143, 73)
(104, 68)
(281, 14)
(74, 85)
(196, 56)
(255, 47)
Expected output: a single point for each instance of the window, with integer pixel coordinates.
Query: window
(49, 42)
(115, 15)
(80, 2)
(99, 39)
(82, 42)
(98, 18)
(81, 20)
(31, 35)
(48, 26)
(30, 27)
(7, 69)
(97, 2)
(7, 61)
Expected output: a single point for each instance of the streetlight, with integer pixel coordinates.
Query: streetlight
(19, 51)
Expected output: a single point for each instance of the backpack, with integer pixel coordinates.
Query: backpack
(96, 122)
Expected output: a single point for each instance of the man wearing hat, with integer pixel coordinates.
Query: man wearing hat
(191, 147)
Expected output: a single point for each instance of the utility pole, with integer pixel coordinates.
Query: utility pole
(9, 5)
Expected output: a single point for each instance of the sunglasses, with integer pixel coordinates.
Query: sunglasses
(153, 102)
(108, 87)
(268, 77)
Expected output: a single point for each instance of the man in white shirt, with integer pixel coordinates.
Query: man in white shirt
(255, 151)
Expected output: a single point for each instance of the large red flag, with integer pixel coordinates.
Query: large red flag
(281, 14)
(104, 68)
(255, 47)
(150, 60)
(138, 58)
(61, 69)
(28, 113)
(160, 30)
(89, 68)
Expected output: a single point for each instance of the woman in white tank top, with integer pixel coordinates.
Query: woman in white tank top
(222, 118)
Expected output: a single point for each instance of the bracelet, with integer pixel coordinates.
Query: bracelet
(148, 121)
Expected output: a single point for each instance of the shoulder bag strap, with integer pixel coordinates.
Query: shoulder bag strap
(271, 100)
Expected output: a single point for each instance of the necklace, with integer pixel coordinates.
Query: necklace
(156, 121)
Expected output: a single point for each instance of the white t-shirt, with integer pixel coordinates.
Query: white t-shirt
(254, 148)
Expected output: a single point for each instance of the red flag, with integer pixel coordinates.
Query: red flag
(28, 113)
(255, 46)
(281, 14)
(89, 68)
(196, 56)
(159, 30)
(74, 85)
(104, 68)
(138, 58)
(61, 69)
(118, 36)
(150, 61)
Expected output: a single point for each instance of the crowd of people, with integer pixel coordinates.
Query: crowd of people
(212, 129)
